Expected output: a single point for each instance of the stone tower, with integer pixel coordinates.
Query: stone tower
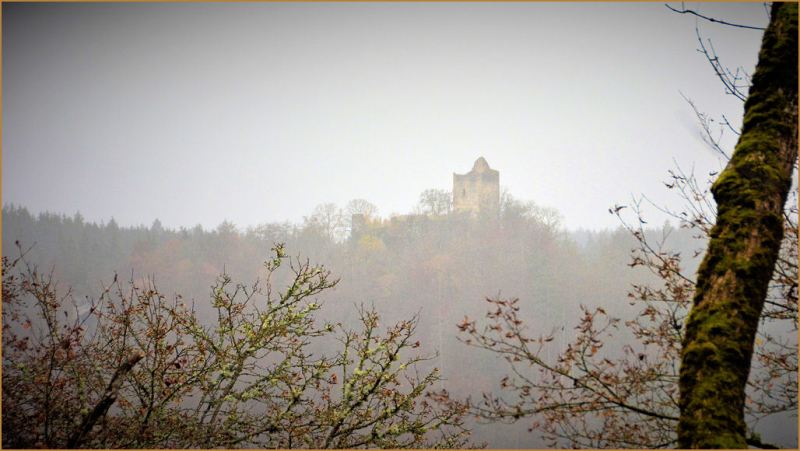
(477, 191)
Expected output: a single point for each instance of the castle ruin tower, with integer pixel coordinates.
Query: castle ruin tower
(478, 191)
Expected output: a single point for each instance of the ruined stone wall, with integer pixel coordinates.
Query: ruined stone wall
(478, 191)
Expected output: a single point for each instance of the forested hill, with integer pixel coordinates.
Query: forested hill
(402, 265)
(523, 254)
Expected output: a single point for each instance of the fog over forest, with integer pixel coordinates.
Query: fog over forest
(533, 196)
(441, 267)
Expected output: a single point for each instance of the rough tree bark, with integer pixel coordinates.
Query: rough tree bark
(733, 277)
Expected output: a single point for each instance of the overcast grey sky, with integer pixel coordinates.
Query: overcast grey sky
(195, 113)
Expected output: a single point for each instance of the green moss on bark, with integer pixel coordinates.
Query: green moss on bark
(733, 278)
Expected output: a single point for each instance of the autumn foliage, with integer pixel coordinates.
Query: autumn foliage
(615, 383)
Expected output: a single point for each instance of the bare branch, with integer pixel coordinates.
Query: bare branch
(683, 10)
(109, 397)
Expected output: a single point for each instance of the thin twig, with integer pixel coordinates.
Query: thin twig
(727, 80)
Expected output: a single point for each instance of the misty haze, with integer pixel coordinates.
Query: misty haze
(387, 225)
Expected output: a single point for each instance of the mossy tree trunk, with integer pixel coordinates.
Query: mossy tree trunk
(733, 277)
